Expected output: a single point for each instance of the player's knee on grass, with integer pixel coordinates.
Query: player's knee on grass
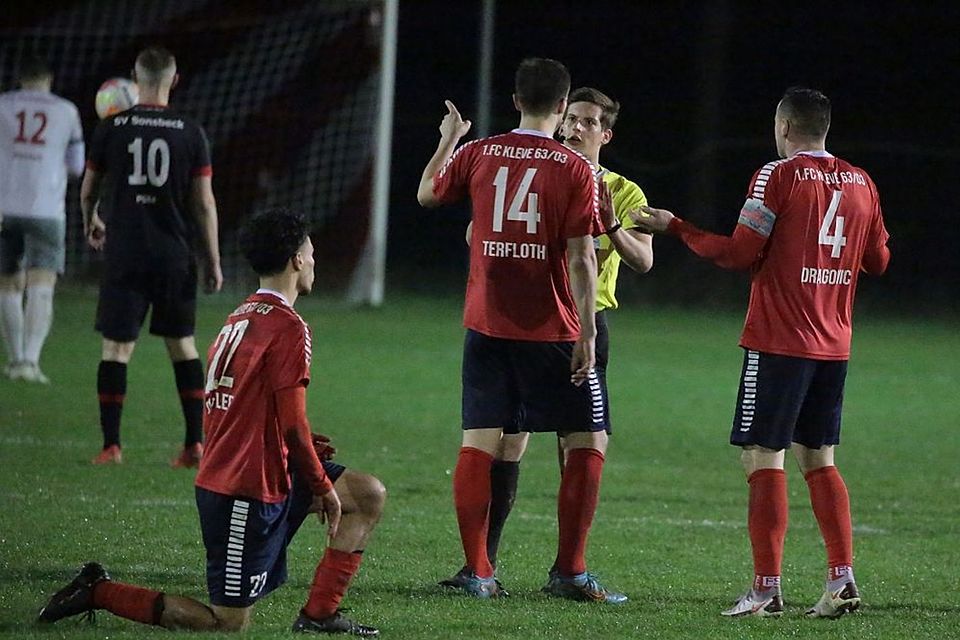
(188, 614)
(231, 618)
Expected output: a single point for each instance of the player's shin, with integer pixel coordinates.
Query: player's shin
(767, 523)
(330, 582)
(577, 503)
(504, 476)
(831, 506)
(129, 601)
(471, 496)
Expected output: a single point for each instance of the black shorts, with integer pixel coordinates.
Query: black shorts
(519, 385)
(246, 540)
(127, 293)
(783, 399)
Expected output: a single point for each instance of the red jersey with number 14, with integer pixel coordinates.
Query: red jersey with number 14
(529, 194)
(822, 216)
(265, 346)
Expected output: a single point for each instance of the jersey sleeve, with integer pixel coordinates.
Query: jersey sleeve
(289, 364)
(876, 254)
(75, 151)
(583, 212)
(452, 181)
(759, 212)
(202, 165)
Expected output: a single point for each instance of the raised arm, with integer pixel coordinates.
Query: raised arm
(582, 269)
(634, 247)
(452, 128)
(204, 208)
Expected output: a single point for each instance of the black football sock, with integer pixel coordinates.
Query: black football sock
(111, 390)
(189, 375)
(504, 475)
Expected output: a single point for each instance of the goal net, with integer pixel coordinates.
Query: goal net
(293, 96)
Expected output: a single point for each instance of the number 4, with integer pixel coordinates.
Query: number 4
(837, 240)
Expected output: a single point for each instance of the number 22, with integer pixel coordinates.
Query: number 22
(231, 335)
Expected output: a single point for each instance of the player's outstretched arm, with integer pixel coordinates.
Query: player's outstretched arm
(582, 268)
(736, 252)
(452, 128)
(204, 207)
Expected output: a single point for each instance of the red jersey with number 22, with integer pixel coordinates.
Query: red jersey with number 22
(822, 218)
(529, 195)
(265, 346)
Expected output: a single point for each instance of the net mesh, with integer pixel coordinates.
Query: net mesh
(287, 93)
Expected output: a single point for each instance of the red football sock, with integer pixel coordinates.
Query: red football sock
(471, 496)
(767, 522)
(579, 492)
(831, 506)
(128, 601)
(330, 582)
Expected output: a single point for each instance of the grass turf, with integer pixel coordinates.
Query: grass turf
(669, 530)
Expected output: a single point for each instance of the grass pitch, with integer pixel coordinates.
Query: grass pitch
(670, 529)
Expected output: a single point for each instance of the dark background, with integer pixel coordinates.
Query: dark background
(698, 84)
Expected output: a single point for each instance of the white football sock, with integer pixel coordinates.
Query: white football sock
(11, 323)
(37, 318)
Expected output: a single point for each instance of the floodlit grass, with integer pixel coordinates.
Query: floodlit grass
(670, 528)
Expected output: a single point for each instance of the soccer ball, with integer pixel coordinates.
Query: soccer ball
(116, 95)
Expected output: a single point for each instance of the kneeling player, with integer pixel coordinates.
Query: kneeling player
(251, 502)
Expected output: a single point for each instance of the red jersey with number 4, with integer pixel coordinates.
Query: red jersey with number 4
(822, 216)
(265, 346)
(529, 195)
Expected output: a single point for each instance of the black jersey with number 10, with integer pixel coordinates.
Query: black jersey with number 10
(149, 156)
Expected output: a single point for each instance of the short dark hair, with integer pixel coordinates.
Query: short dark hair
(33, 67)
(807, 109)
(270, 238)
(153, 63)
(609, 108)
(540, 83)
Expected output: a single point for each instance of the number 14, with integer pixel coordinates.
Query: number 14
(530, 215)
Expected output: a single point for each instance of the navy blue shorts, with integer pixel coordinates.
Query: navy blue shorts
(246, 541)
(783, 399)
(126, 294)
(518, 385)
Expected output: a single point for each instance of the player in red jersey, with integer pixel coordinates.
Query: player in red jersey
(811, 223)
(261, 475)
(529, 314)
